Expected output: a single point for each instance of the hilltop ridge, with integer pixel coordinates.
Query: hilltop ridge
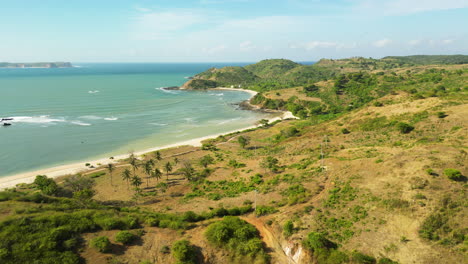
(283, 73)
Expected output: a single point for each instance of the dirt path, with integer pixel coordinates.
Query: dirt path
(279, 256)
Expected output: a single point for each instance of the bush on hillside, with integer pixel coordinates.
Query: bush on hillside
(405, 128)
(361, 258)
(184, 252)
(102, 244)
(453, 174)
(125, 237)
(47, 185)
(238, 236)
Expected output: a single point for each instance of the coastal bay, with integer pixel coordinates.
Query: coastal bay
(106, 115)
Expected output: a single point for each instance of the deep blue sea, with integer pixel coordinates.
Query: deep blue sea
(97, 110)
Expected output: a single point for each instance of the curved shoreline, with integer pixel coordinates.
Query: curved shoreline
(73, 168)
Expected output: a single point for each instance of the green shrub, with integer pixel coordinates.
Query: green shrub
(431, 172)
(184, 252)
(317, 242)
(47, 185)
(7, 195)
(237, 236)
(235, 164)
(288, 228)
(264, 210)
(441, 115)
(125, 237)
(270, 163)
(386, 261)
(336, 257)
(102, 244)
(432, 225)
(345, 131)
(289, 132)
(97, 174)
(453, 174)
(296, 193)
(361, 258)
(404, 128)
(151, 221)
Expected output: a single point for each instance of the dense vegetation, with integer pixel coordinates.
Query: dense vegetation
(48, 228)
(238, 237)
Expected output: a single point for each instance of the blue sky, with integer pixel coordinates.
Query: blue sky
(228, 30)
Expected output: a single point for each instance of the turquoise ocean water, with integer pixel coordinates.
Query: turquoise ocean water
(99, 110)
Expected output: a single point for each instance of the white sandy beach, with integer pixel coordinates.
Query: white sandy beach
(28, 177)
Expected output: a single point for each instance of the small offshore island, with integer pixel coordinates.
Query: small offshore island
(36, 65)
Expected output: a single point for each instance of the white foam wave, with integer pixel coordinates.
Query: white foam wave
(90, 117)
(224, 121)
(158, 124)
(93, 92)
(217, 94)
(43, 119)
(111, 118)
(166, 91)
(80, 123)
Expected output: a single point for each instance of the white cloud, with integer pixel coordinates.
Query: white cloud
(448, 41)
(165, 25)
(247, 46)
(405, 7)
(414, 42)
(382, 43)
(214, 50)
(312, 45)
(320, 44)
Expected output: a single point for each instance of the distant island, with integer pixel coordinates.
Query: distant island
(36, 65)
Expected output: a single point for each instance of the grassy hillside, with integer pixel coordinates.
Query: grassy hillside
(430, 59)
(271, 69)
(279, 73)
(373, 172)
(265, 75)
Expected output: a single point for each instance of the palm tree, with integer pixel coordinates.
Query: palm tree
(168, 169)
(126, 176)
(134, 162)
(157, 155)
(110, 167)
(176, 161)
(151, 161)
(148, 171)
(136, 181)
(156, 174)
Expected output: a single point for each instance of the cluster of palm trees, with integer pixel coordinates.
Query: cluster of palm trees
(149, 168)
